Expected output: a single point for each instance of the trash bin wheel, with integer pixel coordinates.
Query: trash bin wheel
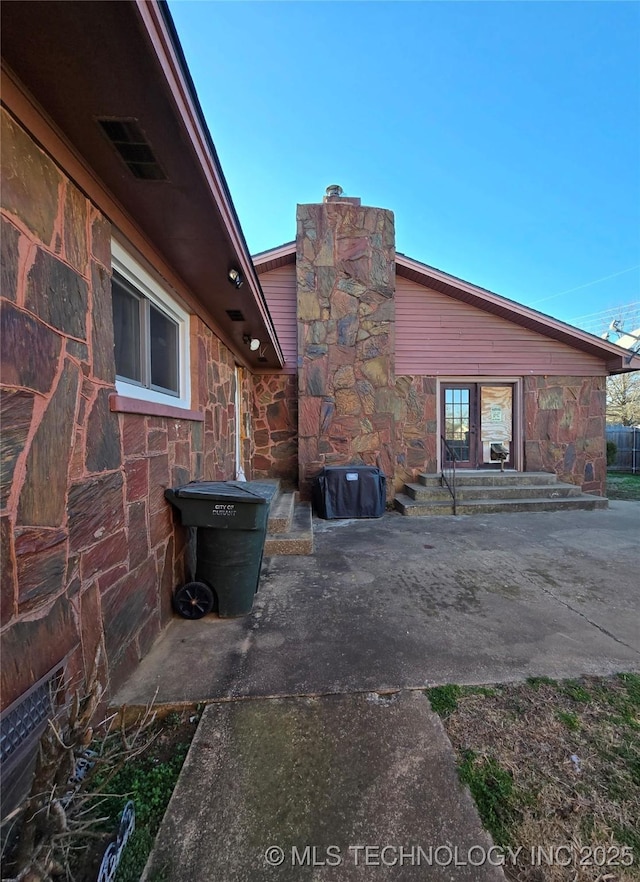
(194, 600)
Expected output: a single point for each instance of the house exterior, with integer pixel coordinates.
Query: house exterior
(391, 356)
(130, 308)
(124, 363)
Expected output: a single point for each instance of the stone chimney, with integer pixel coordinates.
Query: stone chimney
(345, 264)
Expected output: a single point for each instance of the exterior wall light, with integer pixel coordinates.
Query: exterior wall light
(252, 342)
(235, 277)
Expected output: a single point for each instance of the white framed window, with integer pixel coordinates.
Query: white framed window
(151, 335)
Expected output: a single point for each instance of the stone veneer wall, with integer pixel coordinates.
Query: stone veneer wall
(275, 427)
(416, 428)
(345, 266)
(413, 428)
(90, 548)
(213, 391)
(565, 429)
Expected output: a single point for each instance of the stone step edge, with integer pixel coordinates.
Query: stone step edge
(419, 492)
(583, 501)
(299, 538)
(489, 478)
(558, 490)
(411, 507)
(281, 514)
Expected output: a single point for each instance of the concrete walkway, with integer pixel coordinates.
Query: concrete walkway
(303, 748)
(343, 787)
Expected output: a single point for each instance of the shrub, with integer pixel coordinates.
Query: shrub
(612, 452)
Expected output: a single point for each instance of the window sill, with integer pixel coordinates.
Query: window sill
(122, 404)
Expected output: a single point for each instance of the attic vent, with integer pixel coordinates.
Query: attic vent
(235, 315)
(129, 140)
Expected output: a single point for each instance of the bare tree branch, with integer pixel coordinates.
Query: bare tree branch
(623, 399)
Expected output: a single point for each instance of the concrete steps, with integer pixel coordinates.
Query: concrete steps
(513, 491)
(281, 513)
(496, 478)
(413, 508)
(290, 528)
(494, 492)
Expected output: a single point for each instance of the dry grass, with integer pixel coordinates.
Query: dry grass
(565, 771)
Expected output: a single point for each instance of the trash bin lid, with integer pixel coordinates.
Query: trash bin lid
(255, 492)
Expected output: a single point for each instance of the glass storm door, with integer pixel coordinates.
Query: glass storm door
(496, 425)
(459, 421)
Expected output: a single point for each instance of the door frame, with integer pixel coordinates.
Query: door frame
(474, 420)
(237, 400)
(518, 410)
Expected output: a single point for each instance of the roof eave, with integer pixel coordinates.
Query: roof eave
(624, 363)
(265, 261)
(157, 22)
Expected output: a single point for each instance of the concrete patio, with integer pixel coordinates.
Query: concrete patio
(317, 740)
(398, 603)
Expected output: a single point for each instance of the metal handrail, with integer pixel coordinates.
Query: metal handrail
(448, 455)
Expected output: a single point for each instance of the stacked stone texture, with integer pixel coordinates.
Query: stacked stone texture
(416, 421)
(275, 427)
(565, 429)
(90, 548)
(345, 282)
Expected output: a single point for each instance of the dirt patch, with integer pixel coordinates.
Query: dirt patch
(555, 772)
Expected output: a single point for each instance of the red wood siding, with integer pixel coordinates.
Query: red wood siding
(279, 286)
(439, 335)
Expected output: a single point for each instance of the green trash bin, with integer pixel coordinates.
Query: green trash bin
(231, 519)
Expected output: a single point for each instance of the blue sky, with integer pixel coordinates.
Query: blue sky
(505, 136)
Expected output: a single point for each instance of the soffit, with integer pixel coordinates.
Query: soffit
(82, 61)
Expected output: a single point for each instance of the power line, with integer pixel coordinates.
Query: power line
(588, 284)
(612, 309)
(628, 318)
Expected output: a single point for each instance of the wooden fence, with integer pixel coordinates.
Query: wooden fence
(627, 440)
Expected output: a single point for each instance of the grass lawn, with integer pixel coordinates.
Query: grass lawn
(554, 768)
(623, 486)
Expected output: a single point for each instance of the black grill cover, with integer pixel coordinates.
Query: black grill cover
(350, 492)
